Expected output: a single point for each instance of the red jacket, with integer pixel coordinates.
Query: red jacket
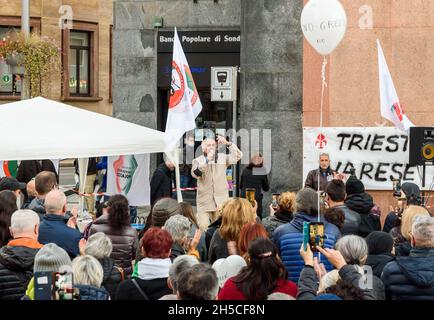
(231, 292)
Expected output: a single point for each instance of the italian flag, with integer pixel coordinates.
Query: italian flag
(8, 168)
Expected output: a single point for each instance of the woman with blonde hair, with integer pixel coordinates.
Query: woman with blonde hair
(284, 213)
(402, 234)
(88, 277)
(237, 212)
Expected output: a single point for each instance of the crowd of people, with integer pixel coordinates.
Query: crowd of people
(228, 250)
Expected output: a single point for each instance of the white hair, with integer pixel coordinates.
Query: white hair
(55, 201)
(24, 221)
(353, 248)
(423, 231)
(87, 271)
(324, 154)
(178, 226)
(99, 246)
(179, 265)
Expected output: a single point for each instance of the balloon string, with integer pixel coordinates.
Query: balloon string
(324, 85)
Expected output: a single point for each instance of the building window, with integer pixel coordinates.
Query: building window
(80, 62)
(10, 82)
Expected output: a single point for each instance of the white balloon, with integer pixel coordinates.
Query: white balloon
(324, 23)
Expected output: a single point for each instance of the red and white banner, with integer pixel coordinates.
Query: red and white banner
(379, 154)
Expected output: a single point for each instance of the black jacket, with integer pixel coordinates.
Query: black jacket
(92, 166)
(258, 182)
(16, 270)
(212, 228)
(308, 283)
(112, 276)
(161, 183)
(271, 223)
(218, 248)
(412, 277)
(154, 289)
(312, 178)
(28, 169)
(378, 261)
(363, 204)
(352, 220)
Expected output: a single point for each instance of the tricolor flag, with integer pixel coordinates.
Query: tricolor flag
(8, 168)
(391, 108)
(184, 102)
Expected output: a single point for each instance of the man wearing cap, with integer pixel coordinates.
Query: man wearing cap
(12, 184)
(17, 257)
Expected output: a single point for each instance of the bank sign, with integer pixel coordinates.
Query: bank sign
(379, 154)
(200, 41)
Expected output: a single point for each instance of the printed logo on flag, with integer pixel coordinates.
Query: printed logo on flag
(177, 87)
(398, 110)
(124, 168)
(191, 85)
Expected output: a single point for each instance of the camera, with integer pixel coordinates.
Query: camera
(396, 188)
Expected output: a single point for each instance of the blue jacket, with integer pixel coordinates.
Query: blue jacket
(289, 238)
(102, 165)
(53, 229)
(412, 277)
(92, 293)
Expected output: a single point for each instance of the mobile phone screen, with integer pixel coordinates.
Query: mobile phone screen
(275, 200)
(250, 195)
(64, 286)
(316, 235)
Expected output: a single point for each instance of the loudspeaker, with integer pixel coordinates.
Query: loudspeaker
(421, 146)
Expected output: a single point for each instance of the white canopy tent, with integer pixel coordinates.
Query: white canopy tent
(39, 128)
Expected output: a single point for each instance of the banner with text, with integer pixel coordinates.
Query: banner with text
(129, 175)
(379, 154)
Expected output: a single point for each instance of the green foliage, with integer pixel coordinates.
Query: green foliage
(39, 56)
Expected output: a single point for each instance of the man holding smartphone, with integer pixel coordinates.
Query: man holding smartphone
(210, 171)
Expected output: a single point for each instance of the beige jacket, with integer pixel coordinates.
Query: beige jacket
(212, 186)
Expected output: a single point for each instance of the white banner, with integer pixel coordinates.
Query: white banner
(129, 175)
(379, 154)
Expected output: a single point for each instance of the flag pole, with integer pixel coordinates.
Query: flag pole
(177, 176)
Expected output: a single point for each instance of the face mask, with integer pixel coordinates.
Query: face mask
(190, 144)
(19, 201)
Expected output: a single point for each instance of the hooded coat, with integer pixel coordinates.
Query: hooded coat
(16, 270)
(412, 277)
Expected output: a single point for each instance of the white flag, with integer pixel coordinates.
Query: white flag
(184, 102)
(391, 108)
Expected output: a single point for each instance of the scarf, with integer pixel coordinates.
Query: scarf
(148, 269)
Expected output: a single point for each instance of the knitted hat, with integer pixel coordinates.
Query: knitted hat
(51, 258)
(379, 242)
(354, 185)
(163, 210)
(412, 193)
(228, 268)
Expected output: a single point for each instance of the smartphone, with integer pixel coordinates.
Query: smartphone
(43, 282)
(63, 286)
(316, 235)
(396, 188)
(305, 235)
(250, 195)
(275, 200)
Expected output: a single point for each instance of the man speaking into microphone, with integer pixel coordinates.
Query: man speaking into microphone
(210, 171)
